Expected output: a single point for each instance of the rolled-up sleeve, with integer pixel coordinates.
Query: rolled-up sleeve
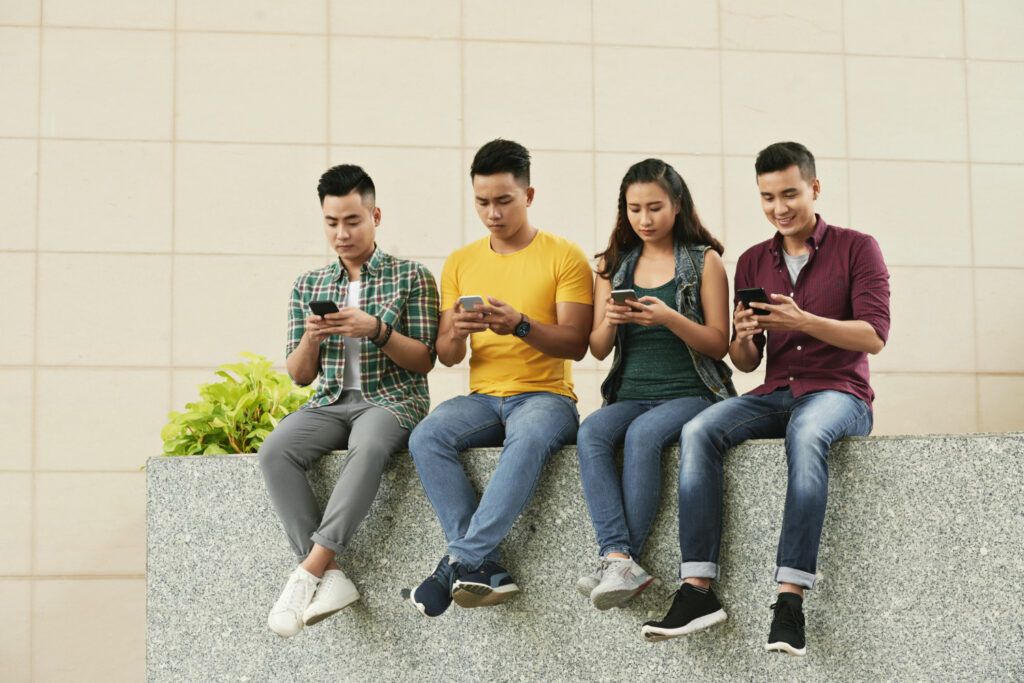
(422, 308)
(869, 286)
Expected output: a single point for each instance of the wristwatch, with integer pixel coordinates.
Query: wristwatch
(522, 327)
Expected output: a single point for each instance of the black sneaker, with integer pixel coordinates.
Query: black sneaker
(787, 632)
(489, 585)
(692, 610)
(434, 595)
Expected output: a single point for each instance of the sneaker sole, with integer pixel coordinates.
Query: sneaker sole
(320, 616)
(585, 589)
(654, 634)
(609, 599)
(787, 648)
(478, 595)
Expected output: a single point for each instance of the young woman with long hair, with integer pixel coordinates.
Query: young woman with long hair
(669, 343)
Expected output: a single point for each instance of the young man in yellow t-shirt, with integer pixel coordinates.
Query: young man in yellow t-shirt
(533, 320)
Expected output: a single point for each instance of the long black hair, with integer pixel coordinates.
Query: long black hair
(687, 229)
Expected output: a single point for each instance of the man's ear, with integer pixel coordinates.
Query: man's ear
(816, 186)
(376, 216)
(529, 196)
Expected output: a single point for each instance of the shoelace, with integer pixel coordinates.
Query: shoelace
(788, 615)
(300, 591)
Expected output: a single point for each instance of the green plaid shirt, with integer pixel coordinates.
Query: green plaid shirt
(397, 291)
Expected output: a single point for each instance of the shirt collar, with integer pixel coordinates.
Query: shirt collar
(813, 242)
(371, 267)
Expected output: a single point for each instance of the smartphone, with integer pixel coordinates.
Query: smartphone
(324, 307)
(470, 302)
(620, 296)
(754, 294)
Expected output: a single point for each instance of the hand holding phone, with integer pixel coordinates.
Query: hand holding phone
(754, 294)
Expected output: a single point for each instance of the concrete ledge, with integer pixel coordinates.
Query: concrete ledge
(921, 575)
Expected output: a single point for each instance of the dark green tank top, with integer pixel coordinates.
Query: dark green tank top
(657, 363)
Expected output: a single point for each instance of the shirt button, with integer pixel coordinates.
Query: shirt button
(790, 379)
(791, 293)
(799, 348)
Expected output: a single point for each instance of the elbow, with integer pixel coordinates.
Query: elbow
(580, 350)
(876, 347)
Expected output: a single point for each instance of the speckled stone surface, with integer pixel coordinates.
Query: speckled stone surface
(921, 576)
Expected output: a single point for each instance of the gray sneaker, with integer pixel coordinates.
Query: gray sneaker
(586, 584)
(622, 581)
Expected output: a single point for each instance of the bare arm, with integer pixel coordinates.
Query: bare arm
(743, 353)
(711, 338)
(602, 335)
(567, 338)
(852, 335)
(455, 327)
(303, 363)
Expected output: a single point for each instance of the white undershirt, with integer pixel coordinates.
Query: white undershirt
(352, 374)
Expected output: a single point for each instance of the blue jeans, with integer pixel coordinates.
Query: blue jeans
(622, 512)
(530, 426)
(810, 424)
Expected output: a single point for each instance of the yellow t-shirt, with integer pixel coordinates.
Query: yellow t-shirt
(547, 271)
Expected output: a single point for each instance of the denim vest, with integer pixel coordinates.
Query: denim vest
(715, 374)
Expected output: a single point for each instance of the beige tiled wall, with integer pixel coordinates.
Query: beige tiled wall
(158, 163)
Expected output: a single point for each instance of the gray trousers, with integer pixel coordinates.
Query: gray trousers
(371, 435)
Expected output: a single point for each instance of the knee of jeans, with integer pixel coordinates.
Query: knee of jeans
(693, 437)
(589, 437)
(640, 443)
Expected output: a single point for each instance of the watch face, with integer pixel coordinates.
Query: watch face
(522, 329)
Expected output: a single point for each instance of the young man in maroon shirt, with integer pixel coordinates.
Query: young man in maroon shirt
(830, 308)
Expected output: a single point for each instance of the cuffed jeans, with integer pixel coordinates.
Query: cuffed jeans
(371, 435)
(531, 427)
(622, 511)
(810, 425)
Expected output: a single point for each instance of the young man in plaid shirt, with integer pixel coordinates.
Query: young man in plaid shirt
(372, 357)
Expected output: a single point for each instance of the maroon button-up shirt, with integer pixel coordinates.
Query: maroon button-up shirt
(844, 278)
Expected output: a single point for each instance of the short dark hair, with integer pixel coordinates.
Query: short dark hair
(502, 156)
(340, 180)
(782, 155)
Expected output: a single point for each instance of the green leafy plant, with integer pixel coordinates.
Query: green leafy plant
(235, 415)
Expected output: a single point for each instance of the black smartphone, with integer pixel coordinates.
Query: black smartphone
(324, 307)
(754, 294)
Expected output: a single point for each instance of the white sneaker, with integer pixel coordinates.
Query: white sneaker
(623, 580)
(336, 592)
(586, 584)
(286, 617)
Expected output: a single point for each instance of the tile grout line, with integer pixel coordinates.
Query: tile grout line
(846, 116)
(327, 75)
(723, 228)
(462, 122)
(970, 217)
(34, 427)
(593, 131)
(174, 204)
(508, 41)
